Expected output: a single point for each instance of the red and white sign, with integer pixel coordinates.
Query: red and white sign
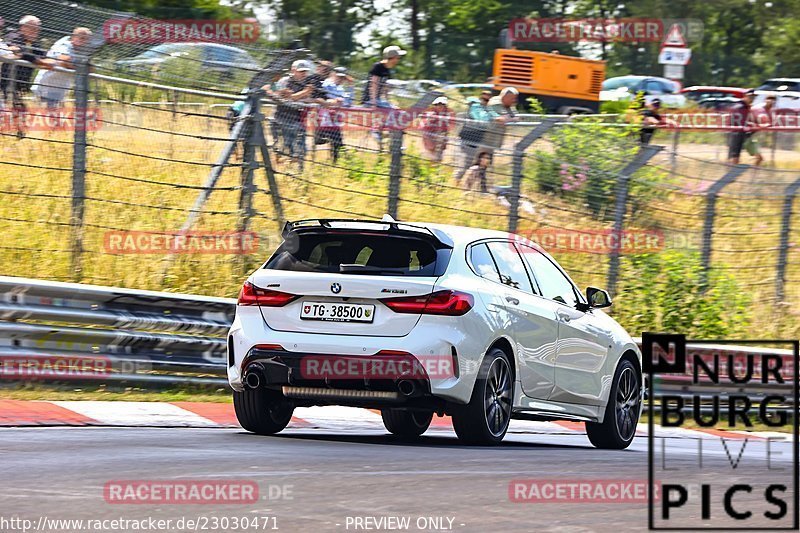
(674, 37)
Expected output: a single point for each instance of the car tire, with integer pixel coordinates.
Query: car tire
(484, 420)
(262, 411)
(406, 422)
(618, 428)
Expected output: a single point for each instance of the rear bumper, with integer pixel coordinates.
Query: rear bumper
(430, 341)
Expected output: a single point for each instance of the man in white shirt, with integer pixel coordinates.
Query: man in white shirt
(52, 85)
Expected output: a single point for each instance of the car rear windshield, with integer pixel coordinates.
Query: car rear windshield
(356, 253)
(780, 85)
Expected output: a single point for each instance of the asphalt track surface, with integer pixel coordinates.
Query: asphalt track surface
(60, 473)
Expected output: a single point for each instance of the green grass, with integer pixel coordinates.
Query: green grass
(29, 391)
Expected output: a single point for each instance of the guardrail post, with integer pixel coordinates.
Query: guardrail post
(783, 249)
(516, 173)
(645, 153)
(711, 211)
(81, 63)
(395, 171)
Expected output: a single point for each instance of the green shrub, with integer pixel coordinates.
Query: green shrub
(584, 166)
(663, 292)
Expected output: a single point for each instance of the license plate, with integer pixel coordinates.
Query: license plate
(337, 312)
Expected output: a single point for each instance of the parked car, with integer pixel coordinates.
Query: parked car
(713, 97)
(627, 87)
(491, 324)
(194, 61)
(787, 91)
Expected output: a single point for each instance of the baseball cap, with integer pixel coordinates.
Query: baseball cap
(750, 91)
(340, 71)
(440, 100)
(302, 64)
(393, 51)
(656, 102)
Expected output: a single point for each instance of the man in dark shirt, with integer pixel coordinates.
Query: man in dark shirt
(742, 124)
(15, 80)
(651, 119)
(324, 69)
(375, 89)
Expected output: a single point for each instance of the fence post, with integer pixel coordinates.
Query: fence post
(81, 63)
(249, 164)
(395, 171)
(274, 193)
(516, 172)
(676, 141)
(711, 211)
(645, 153)
(783, 250)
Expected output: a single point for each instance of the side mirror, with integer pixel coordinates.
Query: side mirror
(597, 297)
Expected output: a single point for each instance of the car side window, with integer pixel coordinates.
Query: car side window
(653, 87)
(222, 55)
(483, 263)
(509, 263)
(552, 282)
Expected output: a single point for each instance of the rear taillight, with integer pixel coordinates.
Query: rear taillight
(450, 303)
(252, 295)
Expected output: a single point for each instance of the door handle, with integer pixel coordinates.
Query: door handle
(512, 300)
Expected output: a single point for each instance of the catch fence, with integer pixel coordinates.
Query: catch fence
(161, 156)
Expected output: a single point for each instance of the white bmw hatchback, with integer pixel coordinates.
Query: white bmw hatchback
(415, 319)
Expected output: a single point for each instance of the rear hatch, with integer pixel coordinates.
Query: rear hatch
(342, 272)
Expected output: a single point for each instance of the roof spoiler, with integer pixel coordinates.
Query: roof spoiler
(437, 237)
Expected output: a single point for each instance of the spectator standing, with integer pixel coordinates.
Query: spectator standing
(651, 120)
(329, 126)
(15, 80)
(336, 86)
(472, 133)
(502, 110)
(52, 85)
(762, 117)
(375, 91)
(743, 124)
(289, 113)
(435, 125)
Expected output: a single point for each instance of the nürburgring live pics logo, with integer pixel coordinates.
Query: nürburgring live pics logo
(728, 479)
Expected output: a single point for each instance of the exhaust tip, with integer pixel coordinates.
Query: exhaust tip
(406, 387)
(252, 379)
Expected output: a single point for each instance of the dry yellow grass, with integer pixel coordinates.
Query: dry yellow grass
(140, 193)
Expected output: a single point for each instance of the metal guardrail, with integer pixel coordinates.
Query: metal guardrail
(66, 331)
(58, 331)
